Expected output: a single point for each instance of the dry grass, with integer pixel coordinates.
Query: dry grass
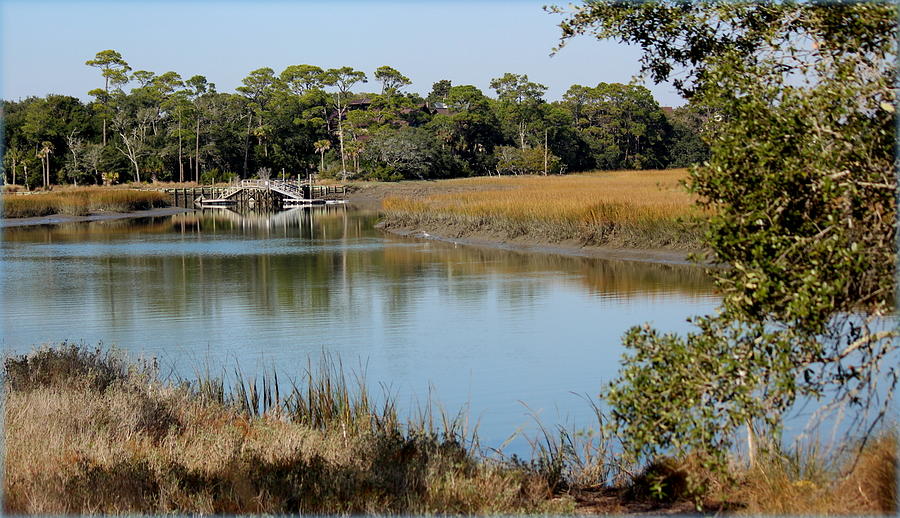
(640, 209)
(86, 433)
(812, 483)
(809, 481)
(81, 201)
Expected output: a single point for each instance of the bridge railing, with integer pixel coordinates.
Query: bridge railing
(277, 184)
(293, 187)
(263, 184)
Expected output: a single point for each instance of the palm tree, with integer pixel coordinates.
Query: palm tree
(44, 155)
(14, 157)
(321, 146)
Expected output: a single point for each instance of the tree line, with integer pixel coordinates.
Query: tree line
(307, 119)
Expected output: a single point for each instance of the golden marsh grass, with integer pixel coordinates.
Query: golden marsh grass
(618, 208)
(617, 196)
(81, 201)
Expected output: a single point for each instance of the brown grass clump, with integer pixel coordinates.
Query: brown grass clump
(809, 483)
(123, 442)
(871, 485)
(639, 209)
(805, 482)
(82, 201)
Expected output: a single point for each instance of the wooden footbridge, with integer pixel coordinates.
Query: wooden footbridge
(259, 194)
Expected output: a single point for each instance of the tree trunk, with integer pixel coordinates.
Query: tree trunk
(75, 167)
(340, 113)
(522, 134)
(341, 139)
(751, 444)
(27, 187)
(106, 87)
(180, 159)
(131, 152)
(197, 152)
(247, 146)
(14, 171)
(545, 152)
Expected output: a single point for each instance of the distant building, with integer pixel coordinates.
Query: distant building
(361, 103)
(440, 108)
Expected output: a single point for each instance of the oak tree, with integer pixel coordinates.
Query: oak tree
(801, 188)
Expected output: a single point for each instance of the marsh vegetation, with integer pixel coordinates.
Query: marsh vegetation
(89, 431)
(80, 201)
(628, 209)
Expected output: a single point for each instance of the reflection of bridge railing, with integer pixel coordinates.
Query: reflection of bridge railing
(248, 218)
(292, 193)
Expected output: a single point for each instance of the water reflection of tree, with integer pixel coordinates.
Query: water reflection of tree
(332, 263)
(618, 278)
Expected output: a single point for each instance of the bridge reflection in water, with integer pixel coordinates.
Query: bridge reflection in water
(258, 194)
(308, 220)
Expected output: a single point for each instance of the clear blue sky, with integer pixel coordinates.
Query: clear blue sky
(45, 43)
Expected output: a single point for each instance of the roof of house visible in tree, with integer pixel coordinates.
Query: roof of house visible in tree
(362, 101)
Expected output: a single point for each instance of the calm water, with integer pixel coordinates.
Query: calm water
(492, 329)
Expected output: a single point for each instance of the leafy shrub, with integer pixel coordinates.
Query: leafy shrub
(513, 160)
(215, 175)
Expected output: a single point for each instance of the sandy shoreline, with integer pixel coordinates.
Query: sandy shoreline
(56, 219)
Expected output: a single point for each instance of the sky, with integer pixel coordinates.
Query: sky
(45, 43)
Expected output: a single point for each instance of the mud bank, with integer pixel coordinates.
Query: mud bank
(530, 244)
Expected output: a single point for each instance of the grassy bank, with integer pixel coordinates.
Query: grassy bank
(88, 432)
(627, 209)
(81, 201)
